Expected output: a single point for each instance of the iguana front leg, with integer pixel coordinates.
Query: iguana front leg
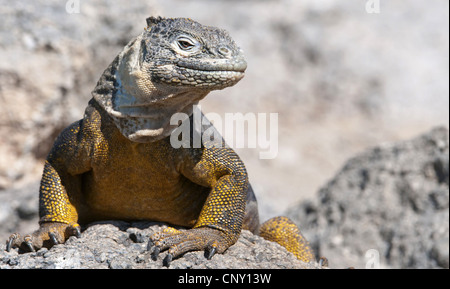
(58, 216)
(59, 191)
(220, 222)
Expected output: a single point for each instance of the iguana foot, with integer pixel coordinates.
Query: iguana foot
(48, 235)
(178, 242)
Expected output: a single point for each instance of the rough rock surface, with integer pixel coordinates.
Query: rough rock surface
(394, 199)
(122, 245)
(19, 210)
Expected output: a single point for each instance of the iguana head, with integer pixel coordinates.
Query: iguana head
(184, 53)
(167, 69)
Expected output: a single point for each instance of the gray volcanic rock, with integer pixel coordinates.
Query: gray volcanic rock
(391, 203)
(122, 245)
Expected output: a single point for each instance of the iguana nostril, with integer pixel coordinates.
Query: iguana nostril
(225, 51)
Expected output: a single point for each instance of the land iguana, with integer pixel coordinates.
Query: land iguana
(118, 162)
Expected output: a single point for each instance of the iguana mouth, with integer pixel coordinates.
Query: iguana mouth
(239, 65)
(205, 75)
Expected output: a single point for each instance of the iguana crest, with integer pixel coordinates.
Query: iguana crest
(167, 69)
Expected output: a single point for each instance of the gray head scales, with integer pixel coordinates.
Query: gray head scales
(185, 53)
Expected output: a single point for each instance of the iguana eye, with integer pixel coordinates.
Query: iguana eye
(186, 44)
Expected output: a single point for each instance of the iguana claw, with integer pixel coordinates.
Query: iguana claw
(28, 240)
(76, 231)
(167, 260)
(323, 262)
(210, 252)
(155, 253)
(53, 238)
(10, 241)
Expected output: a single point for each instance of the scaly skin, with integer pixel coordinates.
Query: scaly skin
(118, 162)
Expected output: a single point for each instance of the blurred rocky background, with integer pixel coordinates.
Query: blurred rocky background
(343, 81)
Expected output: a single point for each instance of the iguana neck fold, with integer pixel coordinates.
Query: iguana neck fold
(140, 108)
